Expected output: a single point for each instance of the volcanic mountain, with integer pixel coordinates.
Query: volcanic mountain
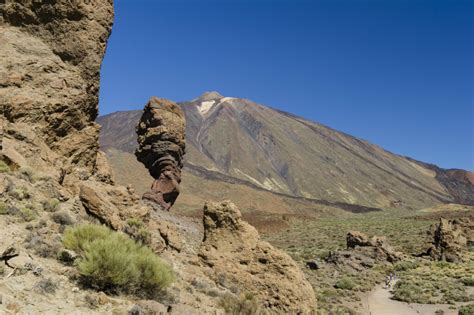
(239, 142)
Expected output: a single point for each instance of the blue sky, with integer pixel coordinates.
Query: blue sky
(398, 73)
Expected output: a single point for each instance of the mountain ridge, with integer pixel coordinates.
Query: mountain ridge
(288, 154)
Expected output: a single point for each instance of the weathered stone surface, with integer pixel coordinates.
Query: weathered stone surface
(450, 239)
(51, 53)
(111, 205)
(363, 252)
(161, 140)
(356, 238)
(235, 252)
(103, 170)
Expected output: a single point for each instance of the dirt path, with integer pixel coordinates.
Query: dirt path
(379, 303)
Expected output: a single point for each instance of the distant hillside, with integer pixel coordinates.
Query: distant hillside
(232, 139)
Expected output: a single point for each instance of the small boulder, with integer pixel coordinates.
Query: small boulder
(312, 264)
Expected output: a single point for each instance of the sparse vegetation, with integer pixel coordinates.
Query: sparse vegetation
(435, 282)
(50, 205)
(421, 280)
(466, 309)
(405, 265)
(345, 283)
(468, 282)
(27, 214)
(62, 218)
(3, 208)
(27, 174)
(4, 168)
(46, 286)
(40, 246)
(20, 193)
(138, 231)
(244, 304)
(112, 261)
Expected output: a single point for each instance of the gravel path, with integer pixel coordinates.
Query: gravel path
(379, 303)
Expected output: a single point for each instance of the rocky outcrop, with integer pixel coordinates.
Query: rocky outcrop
(161, 139)
(450, 239)
(51, 54)
(111, 205)
(239, 259)
(364, 252)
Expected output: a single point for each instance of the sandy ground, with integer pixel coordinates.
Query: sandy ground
(378, 302)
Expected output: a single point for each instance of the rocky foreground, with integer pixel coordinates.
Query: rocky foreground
(52, 177)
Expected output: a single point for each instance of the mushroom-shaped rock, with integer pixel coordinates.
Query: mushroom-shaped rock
(233, 249)
(161, 146)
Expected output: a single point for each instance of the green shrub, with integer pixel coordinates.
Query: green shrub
(77, 238)
(345, 283)
(112, 261)
(245, 304)
(466, 310)
(3, 208)
(409, 292)
(27, 214)
(442, 264)
(50, 205)
(405, 265)
(20, 193)
(468, 282)
(4, 168)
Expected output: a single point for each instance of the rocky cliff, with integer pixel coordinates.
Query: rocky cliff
(51, 54)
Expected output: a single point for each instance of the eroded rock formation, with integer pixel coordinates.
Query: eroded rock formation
(50, 53)
(450, 239)
(237, 256)
(363, 252)
(161, 146)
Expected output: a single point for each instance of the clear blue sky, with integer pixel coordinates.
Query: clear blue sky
(398, 73)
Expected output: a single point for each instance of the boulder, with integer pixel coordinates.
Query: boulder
(312, 264)
(161, 146)
(363, 252)
(356, 238)
(111, 205)
(234, 251)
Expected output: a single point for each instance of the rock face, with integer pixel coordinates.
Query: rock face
(363, 252)
(161, 140)
(240, 259)
(450, 239)
(51, 53)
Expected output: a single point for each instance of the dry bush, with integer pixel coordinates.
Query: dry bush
(244, 304)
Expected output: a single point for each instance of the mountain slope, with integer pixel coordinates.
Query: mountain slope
(289, 155)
